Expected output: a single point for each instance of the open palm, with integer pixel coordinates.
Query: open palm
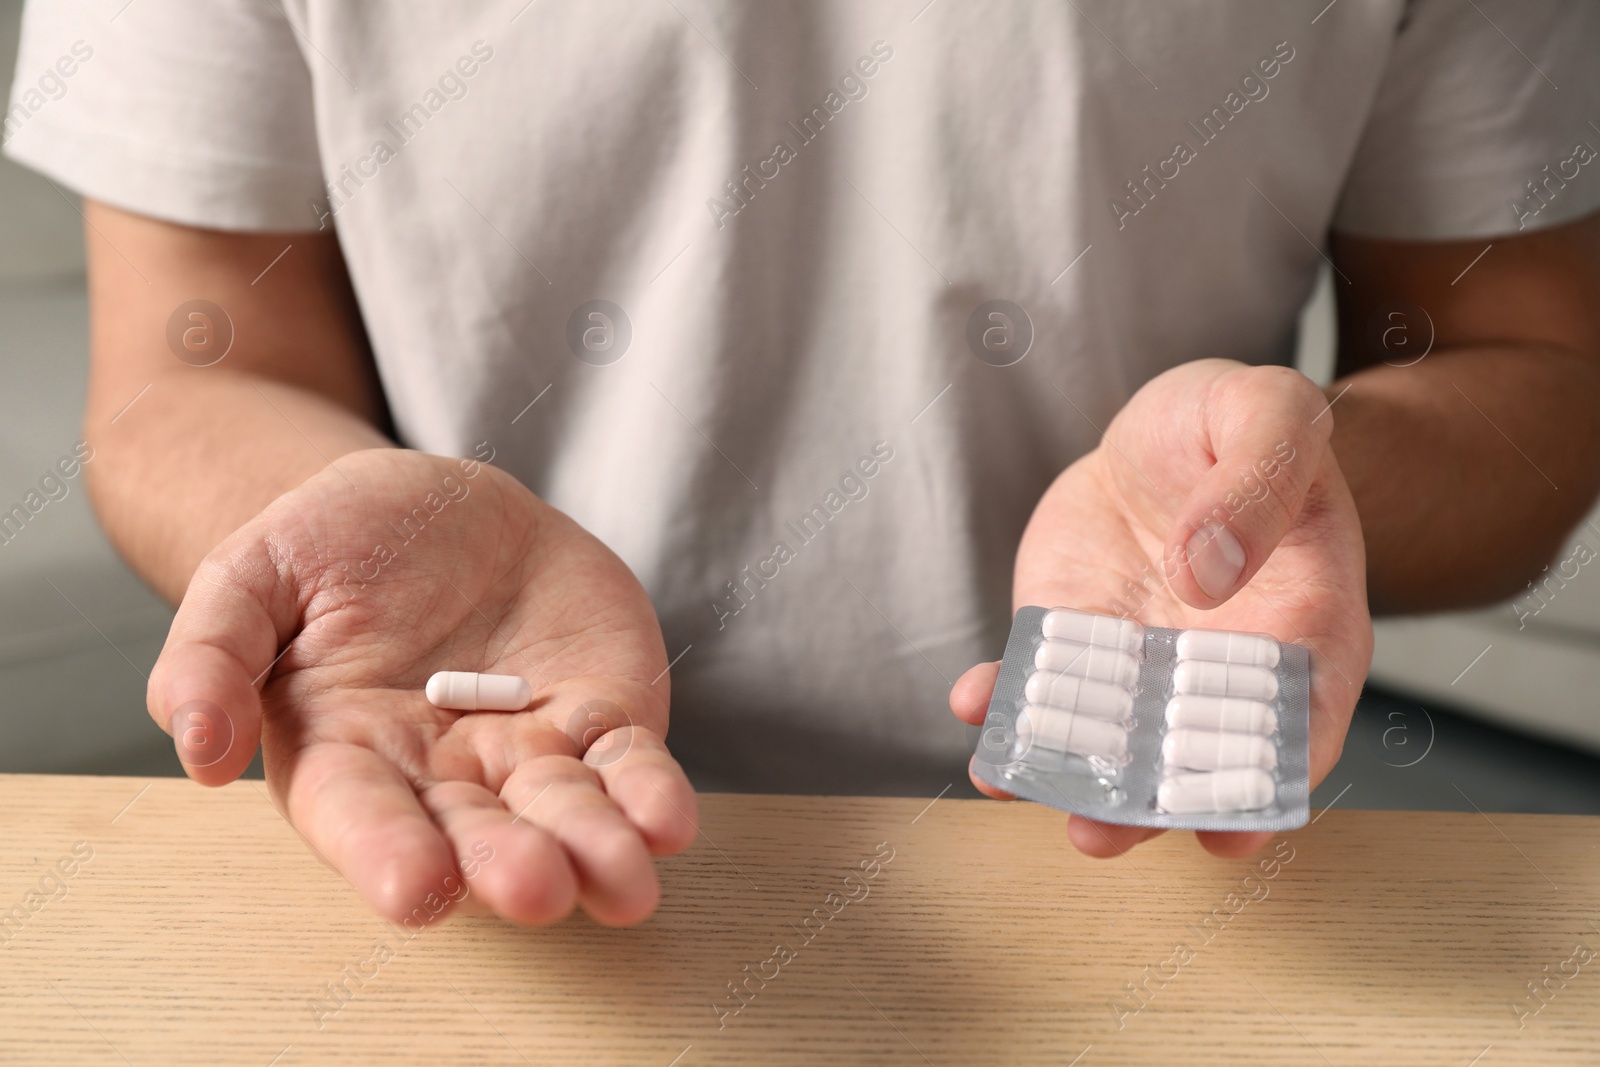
(343, 596)
(1213, 501)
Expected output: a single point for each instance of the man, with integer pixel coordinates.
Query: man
(796, 329)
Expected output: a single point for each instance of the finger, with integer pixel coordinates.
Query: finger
(643, 779)
(616, 879)
(1268, 428)
(205, 686)
(1232, 845)
(1102, 840)
(969, 697)
(984, 787)
(357, 811)
(515, 868)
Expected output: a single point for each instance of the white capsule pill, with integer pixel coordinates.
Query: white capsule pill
(1107, 631)
(1102, 700)
(1240, 789)
(465, 691)
(1225, 679)
(1257, 650)
(1065, 731)
(1214, 750)
(1086, 661)
(1221, 713)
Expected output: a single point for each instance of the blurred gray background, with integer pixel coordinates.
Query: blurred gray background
(1480, 710)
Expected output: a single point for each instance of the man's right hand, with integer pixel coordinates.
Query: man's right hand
(312, 629)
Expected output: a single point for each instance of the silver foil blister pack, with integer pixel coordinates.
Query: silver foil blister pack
(1147, 726)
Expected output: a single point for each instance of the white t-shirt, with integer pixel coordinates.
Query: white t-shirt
(803, 213)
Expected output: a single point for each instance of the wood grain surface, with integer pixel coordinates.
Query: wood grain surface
(161, 923)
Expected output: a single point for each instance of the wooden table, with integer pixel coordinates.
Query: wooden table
(174, 925)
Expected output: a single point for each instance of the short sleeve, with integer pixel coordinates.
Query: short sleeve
(1478, 99)
(195, 111)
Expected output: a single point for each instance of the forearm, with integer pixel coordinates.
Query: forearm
(196, 456)
(190, 442)
(1468, 469)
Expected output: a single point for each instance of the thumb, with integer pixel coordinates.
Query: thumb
(1268, 428)
(205, 687)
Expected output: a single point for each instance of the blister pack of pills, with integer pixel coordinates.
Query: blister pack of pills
(1146, 726)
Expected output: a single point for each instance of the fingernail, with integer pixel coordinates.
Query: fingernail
(1216, 559)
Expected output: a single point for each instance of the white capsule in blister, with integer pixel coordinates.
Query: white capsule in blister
(1102, 700)
(1106, 631)
(1225, 680)
(1065, 731)
(1213, 750)
(1221, 713)
(1239, 789)
(1257, 650)
(1087, 661)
